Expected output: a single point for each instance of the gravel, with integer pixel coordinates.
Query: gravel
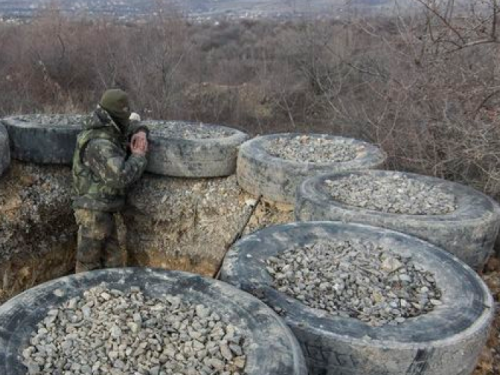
(354, 278)
(186, 130)
(120, 333)
(395, 194)
(304, 148)
(54, 120)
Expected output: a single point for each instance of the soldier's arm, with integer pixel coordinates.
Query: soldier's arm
(111, 164)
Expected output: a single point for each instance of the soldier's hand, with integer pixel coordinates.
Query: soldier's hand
(139, 144)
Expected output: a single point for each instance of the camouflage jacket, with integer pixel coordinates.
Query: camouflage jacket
(102, 169)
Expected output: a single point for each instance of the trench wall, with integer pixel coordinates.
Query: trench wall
(170, 223)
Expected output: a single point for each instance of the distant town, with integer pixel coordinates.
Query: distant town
(195, 9)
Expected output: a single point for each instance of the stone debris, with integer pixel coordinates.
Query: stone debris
(112, 332)
(394, 193)
(194, 220)
(267, 214)
(32, 195)
(186, 130)
(310, 149)
(53, 120)
(357, 279)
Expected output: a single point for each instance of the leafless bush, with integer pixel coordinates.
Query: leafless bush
(425, 86)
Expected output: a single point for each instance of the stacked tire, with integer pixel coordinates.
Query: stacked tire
(51, 139)
(43, 139)
(445, 341)
(271, 349)
(193, 157)
(4, 149)
(276, 179)
(468, 232)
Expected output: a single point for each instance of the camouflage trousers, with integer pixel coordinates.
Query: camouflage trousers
(98, 244)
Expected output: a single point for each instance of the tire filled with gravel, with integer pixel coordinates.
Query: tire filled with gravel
(189, 149)
(4, 150)
(365, 300)
(274, 165)
(43, 139)
(141, 321)
(452, 216)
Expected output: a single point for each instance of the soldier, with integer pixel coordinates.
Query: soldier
(110, 155)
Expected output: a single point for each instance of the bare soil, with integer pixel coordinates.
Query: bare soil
(185, 224)
(267, 214)
(489, 363)
(37, 228)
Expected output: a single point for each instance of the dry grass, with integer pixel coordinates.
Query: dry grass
(425, 87)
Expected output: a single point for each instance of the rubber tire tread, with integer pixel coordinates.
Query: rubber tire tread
(4, 150)
(195, 158)
(469, 232)
(260, 173)
(275, 353)
(446, 341)
(41, 144)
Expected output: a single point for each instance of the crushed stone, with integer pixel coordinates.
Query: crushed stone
(53, 120)
(108, 331)
(311, 149)
(395, 193)
(186, 130)
(354, 278)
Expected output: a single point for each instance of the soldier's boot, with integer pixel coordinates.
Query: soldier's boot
(95, 228)
(113, 257)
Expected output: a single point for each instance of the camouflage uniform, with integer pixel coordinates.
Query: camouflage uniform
(102, 169)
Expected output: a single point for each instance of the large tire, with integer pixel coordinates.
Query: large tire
(193, 157)
(469, 232)
(274, 353)
(446, 341)
(33, 141)
(4, 150)
(277, 179)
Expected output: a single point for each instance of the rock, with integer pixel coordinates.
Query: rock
(312, 149)
(396, 194)
(129, 333)
(391, 264)
(354, 279)
(186, 130)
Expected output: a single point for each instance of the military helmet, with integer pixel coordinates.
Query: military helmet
(116, 103)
